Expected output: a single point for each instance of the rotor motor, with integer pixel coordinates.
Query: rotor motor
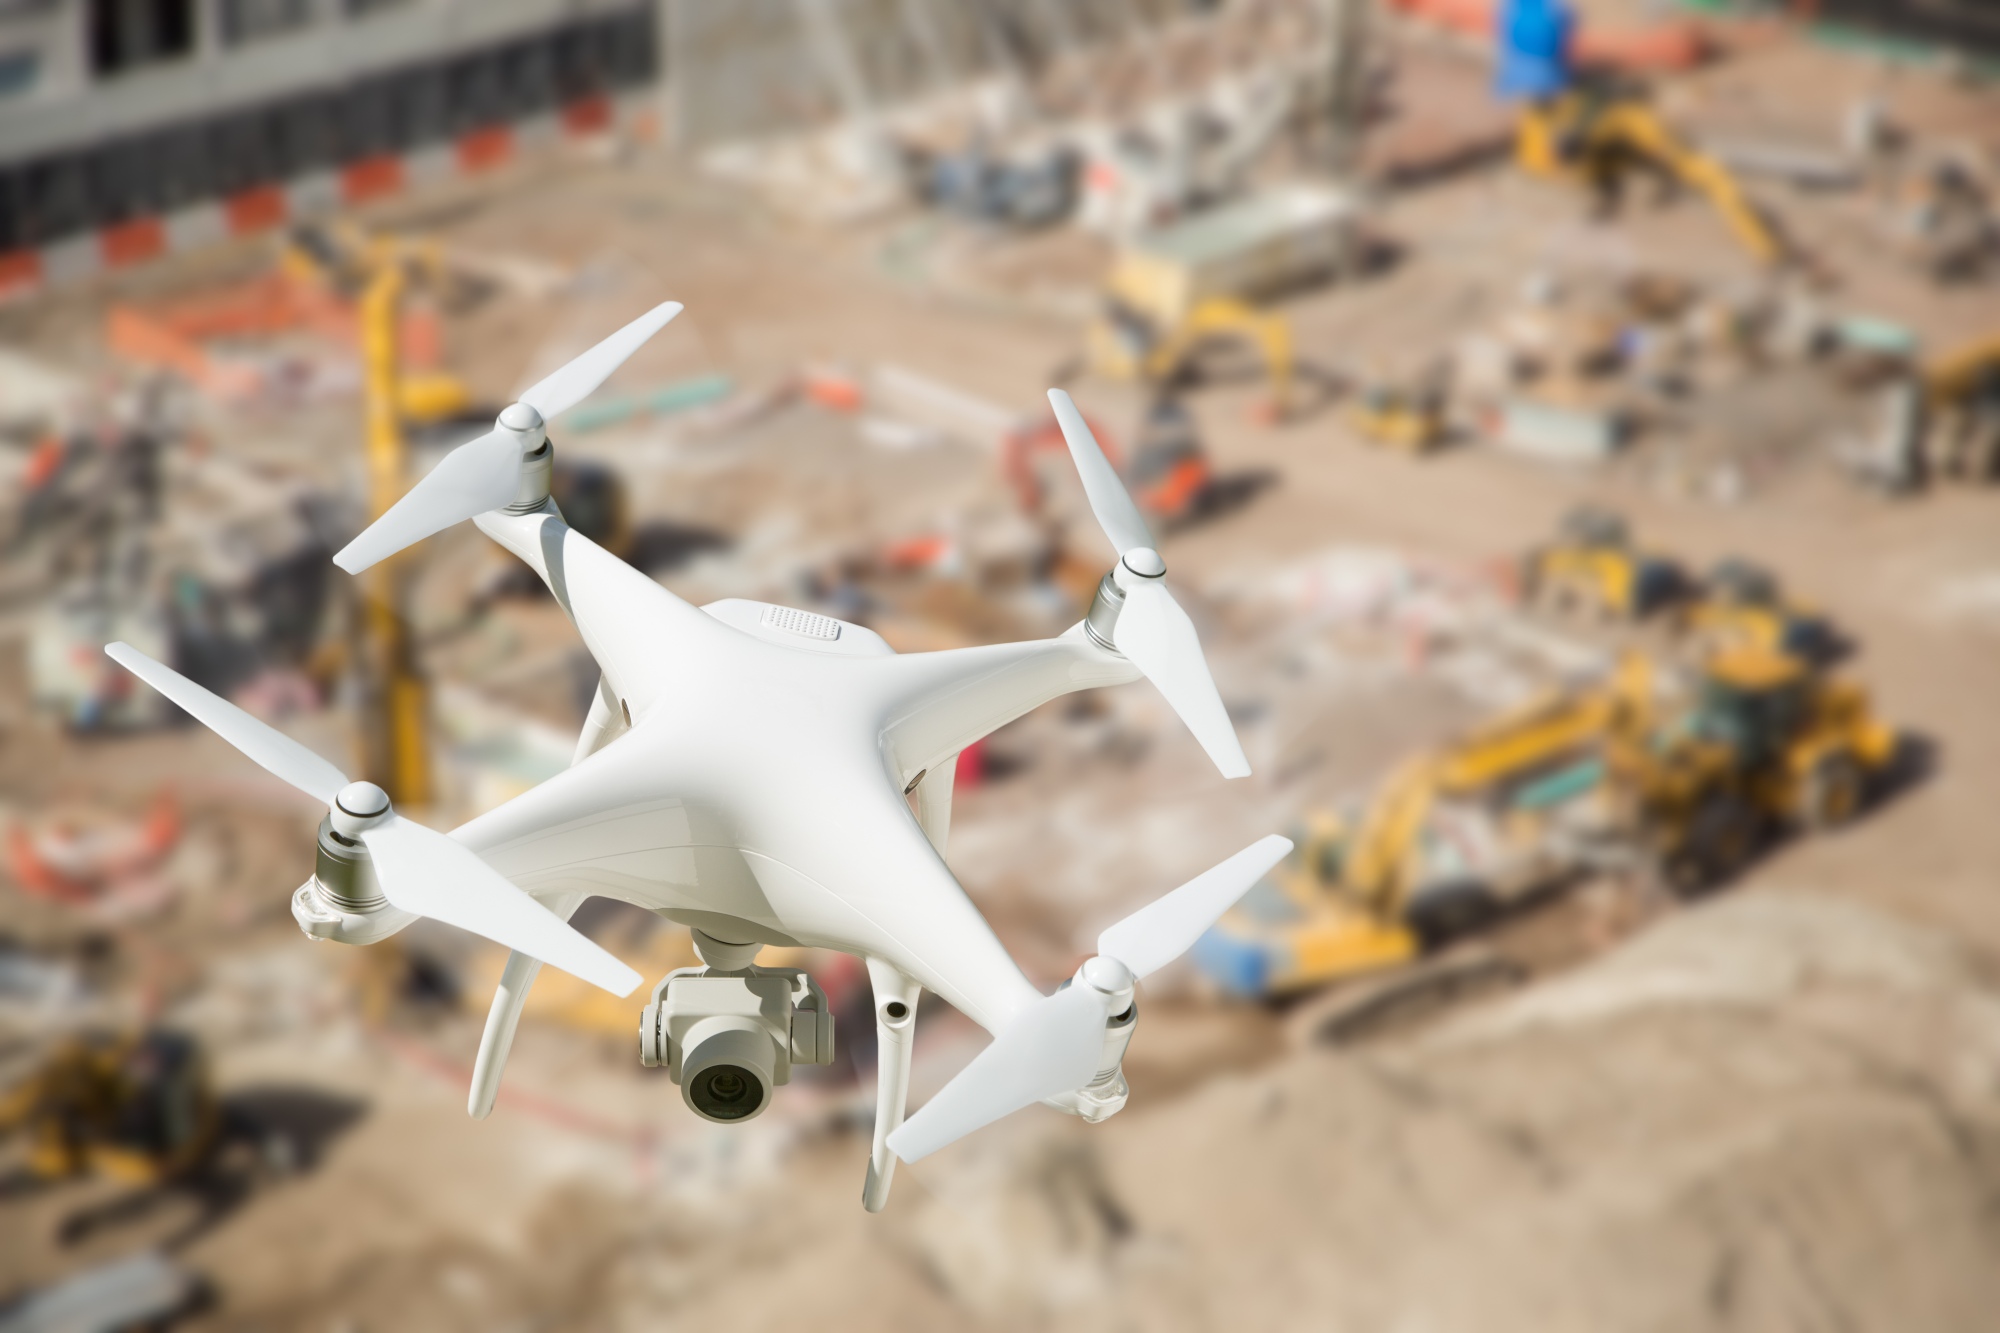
(538, 455)
(344, 900)
(1106, 1094)
(1142, 564)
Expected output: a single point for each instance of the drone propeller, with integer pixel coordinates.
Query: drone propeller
(485, 473)
(1054, 1045)
(421, 870)
(1152, 631)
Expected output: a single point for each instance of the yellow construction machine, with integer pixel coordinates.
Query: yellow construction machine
(1450, 838)
(1301, 926)
(1593, 566)
(1407, 416)
(1683, 787)
(1768, 742)
(1962, 413)
(1741, 605)
(1601, 135)
(1139, 337)
(136, 1108)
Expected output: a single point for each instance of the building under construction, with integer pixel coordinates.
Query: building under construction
(121, 113)
(1606, 599)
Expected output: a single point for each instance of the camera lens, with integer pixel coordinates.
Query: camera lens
(726, 1092)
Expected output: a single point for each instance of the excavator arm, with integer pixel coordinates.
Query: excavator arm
(1640, 127)
(1959, 373)
(1221, 317)
(1565, 135)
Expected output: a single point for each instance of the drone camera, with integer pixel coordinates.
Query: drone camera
(729, 1036)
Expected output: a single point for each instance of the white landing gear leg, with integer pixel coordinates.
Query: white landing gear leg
(895, 1024)
(505, 1016)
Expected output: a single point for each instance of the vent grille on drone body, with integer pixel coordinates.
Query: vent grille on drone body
(802, 622)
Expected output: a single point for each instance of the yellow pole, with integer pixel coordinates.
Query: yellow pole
(394, 702)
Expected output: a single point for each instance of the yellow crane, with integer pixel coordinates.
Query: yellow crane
(395, 740)
(348, 261)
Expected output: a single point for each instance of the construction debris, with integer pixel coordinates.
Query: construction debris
(146, 1290)
(112, 867)
(1546, 775)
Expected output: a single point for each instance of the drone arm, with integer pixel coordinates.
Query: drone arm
(943, 702)
(934, 802)
(629, 623)
(895, 1025)
(601, 725)
(522, 535)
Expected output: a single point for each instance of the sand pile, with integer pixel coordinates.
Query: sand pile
(1772, 1113)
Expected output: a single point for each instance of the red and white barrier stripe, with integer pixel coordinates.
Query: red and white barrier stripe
(266, 207)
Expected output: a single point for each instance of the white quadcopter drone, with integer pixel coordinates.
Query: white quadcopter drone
(748, 770)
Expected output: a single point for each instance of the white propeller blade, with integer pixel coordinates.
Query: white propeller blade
(1167, 927)
(1152, 630)
(421, 870)
(277, 753)
(425, 872)
(559, 392)
(1159, 639)
(478, 476)
(1109, 499)
(485, 474)
(1051, 1047)
(1054, 1045)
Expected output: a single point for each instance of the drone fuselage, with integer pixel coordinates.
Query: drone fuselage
(759, 790)
(767, 776)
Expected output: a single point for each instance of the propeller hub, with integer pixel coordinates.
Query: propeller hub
(357, 807)
(1145, 562)
(1108, 975)
(522, 418)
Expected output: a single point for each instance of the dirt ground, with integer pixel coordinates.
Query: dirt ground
(1774, 1111)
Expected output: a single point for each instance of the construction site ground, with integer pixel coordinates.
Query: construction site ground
(1777, 1108)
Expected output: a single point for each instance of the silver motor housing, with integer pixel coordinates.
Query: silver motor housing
(343, 901)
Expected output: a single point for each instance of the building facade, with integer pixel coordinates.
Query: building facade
(121, 118)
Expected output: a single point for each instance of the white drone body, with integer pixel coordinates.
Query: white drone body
(764, 775)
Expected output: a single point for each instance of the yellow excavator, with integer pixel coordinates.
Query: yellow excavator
(1681, 787)
(1451, 836)
(1135, 339)
(1602, 134)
